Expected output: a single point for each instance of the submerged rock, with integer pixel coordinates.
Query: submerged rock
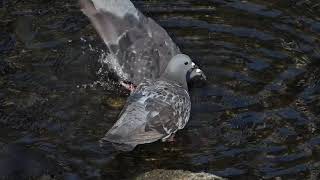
(160, 174)
(114, 102)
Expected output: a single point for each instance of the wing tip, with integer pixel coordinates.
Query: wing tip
(87, 7)
(119, 8)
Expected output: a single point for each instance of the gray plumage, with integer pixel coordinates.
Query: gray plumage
(143, 53)
(140, 47)
(157, 108)
(154, 111)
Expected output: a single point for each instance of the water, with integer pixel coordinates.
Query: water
(258, 117)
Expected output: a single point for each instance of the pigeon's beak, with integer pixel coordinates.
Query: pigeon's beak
(195, 72)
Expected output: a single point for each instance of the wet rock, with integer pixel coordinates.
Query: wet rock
(160, 174)
(114, 102)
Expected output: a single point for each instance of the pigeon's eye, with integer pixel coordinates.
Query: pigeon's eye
(186, 63)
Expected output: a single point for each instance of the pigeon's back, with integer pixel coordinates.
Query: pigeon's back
(156, 110)
(141, 48)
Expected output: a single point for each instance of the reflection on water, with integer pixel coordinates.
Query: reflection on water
(258, 117)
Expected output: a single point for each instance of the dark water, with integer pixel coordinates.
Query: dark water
(258, 117)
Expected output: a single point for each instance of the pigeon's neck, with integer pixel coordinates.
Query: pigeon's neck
(177, 78)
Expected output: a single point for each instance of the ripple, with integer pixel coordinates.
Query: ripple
(257, 117)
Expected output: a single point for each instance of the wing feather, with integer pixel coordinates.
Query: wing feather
(152, 112)
(135, 40)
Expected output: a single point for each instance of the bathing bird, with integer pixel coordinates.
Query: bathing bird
(148, 63)
(156, 109)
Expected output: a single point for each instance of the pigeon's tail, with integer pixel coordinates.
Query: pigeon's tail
(118, 146)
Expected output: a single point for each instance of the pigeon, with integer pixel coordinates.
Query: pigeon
(156, 109)
(139, 48)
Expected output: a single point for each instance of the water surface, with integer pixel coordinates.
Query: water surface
(257, 118)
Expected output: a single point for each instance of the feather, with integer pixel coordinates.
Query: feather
(154, 111)
(141, 47)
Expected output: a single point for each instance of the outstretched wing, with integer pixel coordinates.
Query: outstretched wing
(140, 46)
(151, 113)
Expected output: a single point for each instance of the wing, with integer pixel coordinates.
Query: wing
(141, 47)
(151, 113)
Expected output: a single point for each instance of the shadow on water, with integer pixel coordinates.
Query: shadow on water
(258, 116)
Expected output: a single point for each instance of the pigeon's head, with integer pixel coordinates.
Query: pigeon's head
(181, 69)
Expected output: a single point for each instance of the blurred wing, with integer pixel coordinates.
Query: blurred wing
(140, 46)
(150, 115)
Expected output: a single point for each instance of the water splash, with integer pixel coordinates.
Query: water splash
(110, 60)
(108, 65)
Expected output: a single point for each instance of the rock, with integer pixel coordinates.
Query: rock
(161, 174)
(114, 102)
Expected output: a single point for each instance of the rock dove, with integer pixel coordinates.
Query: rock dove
(139, 48)
(156, 109)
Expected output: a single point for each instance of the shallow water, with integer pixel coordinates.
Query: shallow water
(257, 118)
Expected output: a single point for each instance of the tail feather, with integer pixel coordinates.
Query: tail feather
(126, 138)
(118, 146)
